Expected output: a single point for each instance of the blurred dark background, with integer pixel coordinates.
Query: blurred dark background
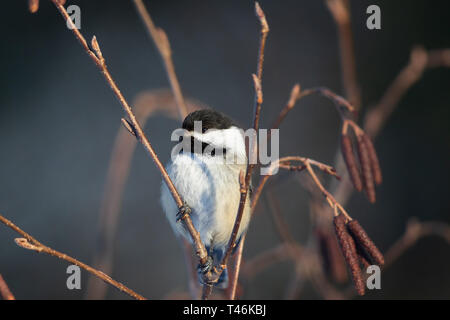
(58, 121)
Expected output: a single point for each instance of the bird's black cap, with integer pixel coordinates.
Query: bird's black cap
(210, 119)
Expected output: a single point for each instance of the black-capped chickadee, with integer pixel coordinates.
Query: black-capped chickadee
(205, 170)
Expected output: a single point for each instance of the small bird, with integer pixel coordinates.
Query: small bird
(206, 174)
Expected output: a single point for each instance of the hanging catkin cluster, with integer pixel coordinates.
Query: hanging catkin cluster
(357, 249)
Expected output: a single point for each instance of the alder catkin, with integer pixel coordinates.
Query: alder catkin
(366, 169)
(332, 258)
(374, 163)
(362, 239)
(350, 161)
(348, 248)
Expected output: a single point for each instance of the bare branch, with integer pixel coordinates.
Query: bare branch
(4, 290)
(161, 41)
(307, 164)
(146, 105)
(340, 11)
(419, 61)
(33, 5)
(262, 40)
(255, 265)
(98, 59)
(30, 243)
(234, 275)
(416, 230)
(297, 94)
(245, 182)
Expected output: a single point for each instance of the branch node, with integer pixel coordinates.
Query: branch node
(130, 128)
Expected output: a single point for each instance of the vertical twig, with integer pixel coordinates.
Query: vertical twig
(146, 105)
(341, 14)
(161, 41)
(97, 56)
(4, 290)
(245, 182)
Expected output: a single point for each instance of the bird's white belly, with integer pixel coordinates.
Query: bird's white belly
(211, 190)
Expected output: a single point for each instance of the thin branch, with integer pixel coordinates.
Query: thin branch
(5, 292)
(98, 59)
(161, 41)
(416, 230)
(340, 11)
(297, 94)
(30, 243)
(262, 42)
(265, 259)
(234, 276)
(285, 163)
(376, 117)
(245, 182)
(280, 224)
(293, 98)
(145, 105)
(419, 61)
(33, 5)
(258, 191)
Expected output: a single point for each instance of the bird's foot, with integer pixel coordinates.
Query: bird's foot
(205, 267)
(183, 212)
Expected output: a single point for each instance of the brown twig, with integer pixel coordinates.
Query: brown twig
(161, 41)
(253, 266)
(5, 292)
(262, 40)
(30, 243)
(97, 56)
(146, 105)
(419, 61)
(341, 14)
(286, 163)
(234, 276)
(245, 182)
(416, 230)
(378, 115)
(297, 94)
(33, 5)
(280, 224)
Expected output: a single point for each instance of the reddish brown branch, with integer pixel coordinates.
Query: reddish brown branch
(419, 61)
(262, 40)
(297, 94)
(260, 262)
(245, 182)
(30, 243)
(146, 105)
(286, 163)
(416, 230)
(97, 56)
(161, 41)
(5, 292)
(33, 5)
(234, 276)
(341, 14)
